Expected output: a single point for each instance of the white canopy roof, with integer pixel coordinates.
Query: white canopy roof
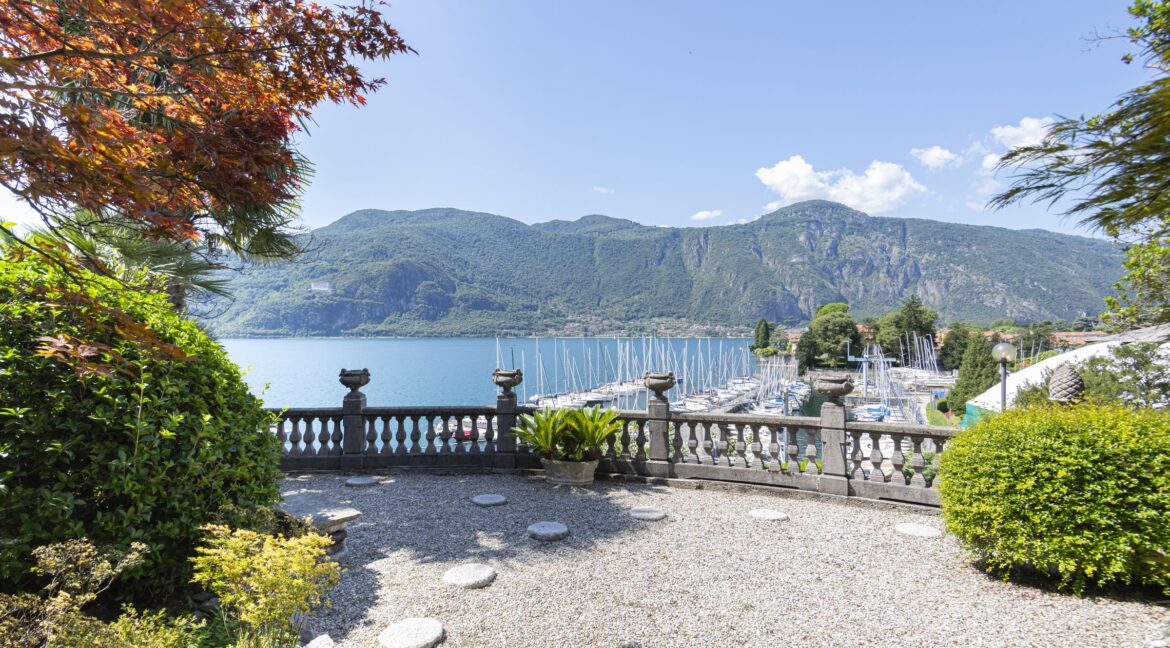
(1037, 373)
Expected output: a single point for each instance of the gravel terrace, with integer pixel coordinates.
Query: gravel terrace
(834, 574)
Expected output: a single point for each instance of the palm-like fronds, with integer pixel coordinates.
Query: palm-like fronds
(543, 431)
(589, 430)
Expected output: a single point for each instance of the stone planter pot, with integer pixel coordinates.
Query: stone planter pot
(569, 473)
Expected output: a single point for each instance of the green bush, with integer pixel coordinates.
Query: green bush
(1081, 493)
(76, 573)
(119, 421)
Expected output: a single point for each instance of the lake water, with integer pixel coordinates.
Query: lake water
(301, 372)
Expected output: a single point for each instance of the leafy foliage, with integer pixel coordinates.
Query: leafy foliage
(178, 117)
(977, 373)
(77, 572)
(834, 333)
(542, 431)
(763, 335)
(954, 345)
(1136, 374)
(451, 272)
(263, 580)
(121, 422)
(1080, 492)
(568, 435)
(589, 429)
(913, 318)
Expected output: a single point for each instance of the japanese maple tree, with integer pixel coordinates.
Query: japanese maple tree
(176, 117)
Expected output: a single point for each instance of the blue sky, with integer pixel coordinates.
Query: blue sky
(700, 113)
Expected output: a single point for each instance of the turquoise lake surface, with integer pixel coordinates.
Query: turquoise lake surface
(302, 372)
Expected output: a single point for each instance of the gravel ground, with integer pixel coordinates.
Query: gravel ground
(834, 574)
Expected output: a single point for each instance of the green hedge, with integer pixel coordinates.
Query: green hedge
(119, 421)
(1081, 493)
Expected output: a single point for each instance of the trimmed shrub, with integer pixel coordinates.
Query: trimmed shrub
(1081, 493)
(119, 421)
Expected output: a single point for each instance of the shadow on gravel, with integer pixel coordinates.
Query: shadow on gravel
(1034, 579)
(431, 518)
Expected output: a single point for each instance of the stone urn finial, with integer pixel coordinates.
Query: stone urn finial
(354, 379)
(834, 385)
(658, 382)
(507, 378)
(1066, 385)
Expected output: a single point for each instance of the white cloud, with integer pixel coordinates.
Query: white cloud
(882, 187)
(936, 157)
(988, 163)
(602, 190)
(1029, 132)
(707, 214)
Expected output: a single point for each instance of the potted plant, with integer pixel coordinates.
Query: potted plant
(569, 442)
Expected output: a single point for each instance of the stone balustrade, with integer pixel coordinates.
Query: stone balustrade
(825, 454)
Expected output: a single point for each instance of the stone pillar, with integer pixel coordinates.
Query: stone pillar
(506, 379)
(353, 428)
(834, 442)
(658, 410)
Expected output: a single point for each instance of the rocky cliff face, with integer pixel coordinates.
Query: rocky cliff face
(445, 271)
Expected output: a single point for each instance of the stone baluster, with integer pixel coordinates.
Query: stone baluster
(430, 447)
(445, 436)
(693, 443)
(876, 459)
(387, 436)
(658, 410)
(740, 456)
(898, 460)
(371, 436)
(775, 457)
(917, 480)
(294, 437)
(400, 435)
(757, 446)
(322, 436)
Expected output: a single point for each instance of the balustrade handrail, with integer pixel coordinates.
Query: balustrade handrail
(904, 429)
(429, 410)
(747, 419)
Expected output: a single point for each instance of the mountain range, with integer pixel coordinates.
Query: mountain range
(452, 272)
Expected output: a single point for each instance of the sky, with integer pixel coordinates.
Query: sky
(702, 113)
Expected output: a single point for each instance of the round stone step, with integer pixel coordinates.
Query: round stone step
(361, 482)
(415, 632)
(548, 531)
(768, 514)
(917, 530)
(470, 576)
(489, 499)
(647, 513)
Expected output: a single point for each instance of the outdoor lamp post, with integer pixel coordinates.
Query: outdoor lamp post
(1003, 353)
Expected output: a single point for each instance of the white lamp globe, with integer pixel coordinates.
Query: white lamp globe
(1004, 352)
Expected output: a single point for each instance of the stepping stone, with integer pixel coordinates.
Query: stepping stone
(548, 531)
(361, 482)
(470, 576)
(489, 499)
(917, 530)
(647, 513)
(324, 641)
(411, 633)
(768, 514)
